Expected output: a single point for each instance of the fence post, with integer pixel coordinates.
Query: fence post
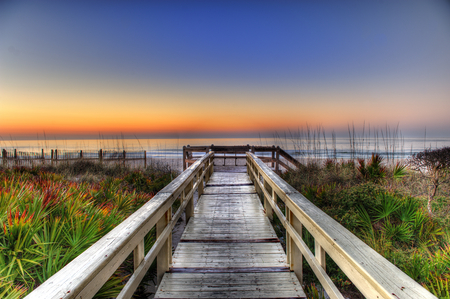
(100, 156)
(277, 162)
(16, 162)
(56, 156)
(43, 156)
(165, 254)
(81, 154)
(273, 155)
(51, 157)
(184, 158)
(145, 159)
(5, 157)
(124, 157)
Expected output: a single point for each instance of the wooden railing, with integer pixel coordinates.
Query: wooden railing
(278, 157)
(371, 273)
(87, 273)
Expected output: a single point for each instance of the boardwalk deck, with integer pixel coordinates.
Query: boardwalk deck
(229, 248)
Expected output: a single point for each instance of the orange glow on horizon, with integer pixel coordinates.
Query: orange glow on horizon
(163, 111)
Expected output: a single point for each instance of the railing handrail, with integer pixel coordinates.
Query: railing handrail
(371, 273)
(87, 273)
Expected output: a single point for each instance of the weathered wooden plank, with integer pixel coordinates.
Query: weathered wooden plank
(229, 190)
(230, 285)
(228, 168)
(229, 178)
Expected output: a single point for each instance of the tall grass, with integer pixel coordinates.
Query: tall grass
(310, 143)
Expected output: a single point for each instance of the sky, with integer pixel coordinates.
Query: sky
(222, 68)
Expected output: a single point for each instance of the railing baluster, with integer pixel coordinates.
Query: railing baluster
(320, 254)
(164, 256)
(138, 254)
(288, 236)
(200, 185)
(295, 256)
(190, 206)
(267, 205)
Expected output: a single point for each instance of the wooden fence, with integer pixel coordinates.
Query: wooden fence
(13, 157)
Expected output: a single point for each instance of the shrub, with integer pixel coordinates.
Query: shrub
(434, 165)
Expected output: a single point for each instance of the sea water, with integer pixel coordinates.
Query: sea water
(339, 148)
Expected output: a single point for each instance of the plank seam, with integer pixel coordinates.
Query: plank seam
(227, 269)
(267, 240)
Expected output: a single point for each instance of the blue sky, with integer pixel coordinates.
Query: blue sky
(222, 66)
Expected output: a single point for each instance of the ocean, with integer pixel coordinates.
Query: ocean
(300, 147)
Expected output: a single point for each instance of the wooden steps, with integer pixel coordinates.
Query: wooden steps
(229, 248)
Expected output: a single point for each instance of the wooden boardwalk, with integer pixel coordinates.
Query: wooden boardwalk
(229, 248)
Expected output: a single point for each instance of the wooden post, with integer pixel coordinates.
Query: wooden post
(145, 159)
(277, 162)
(295, 255)
(81, 154)
(257, 187)
(267, 205)
(124, 157)
(100, 155)
(188, 156)
(4, 157)
(190, 206)
(51, 157)
(56, 156)
(211, 148)
(273, 155)
(320, 254)
(138, 254)
(287, 214)
(165, 254)
(207, 172)
(200, 184)
(16, 162)
(184, 158)
(211, 169)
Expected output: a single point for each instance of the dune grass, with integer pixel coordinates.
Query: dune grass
(50, 215)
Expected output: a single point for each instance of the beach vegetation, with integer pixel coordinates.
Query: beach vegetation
(434, 165)
(386, 206)
(50, 215)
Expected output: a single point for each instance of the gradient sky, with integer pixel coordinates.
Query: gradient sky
(222, 67)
